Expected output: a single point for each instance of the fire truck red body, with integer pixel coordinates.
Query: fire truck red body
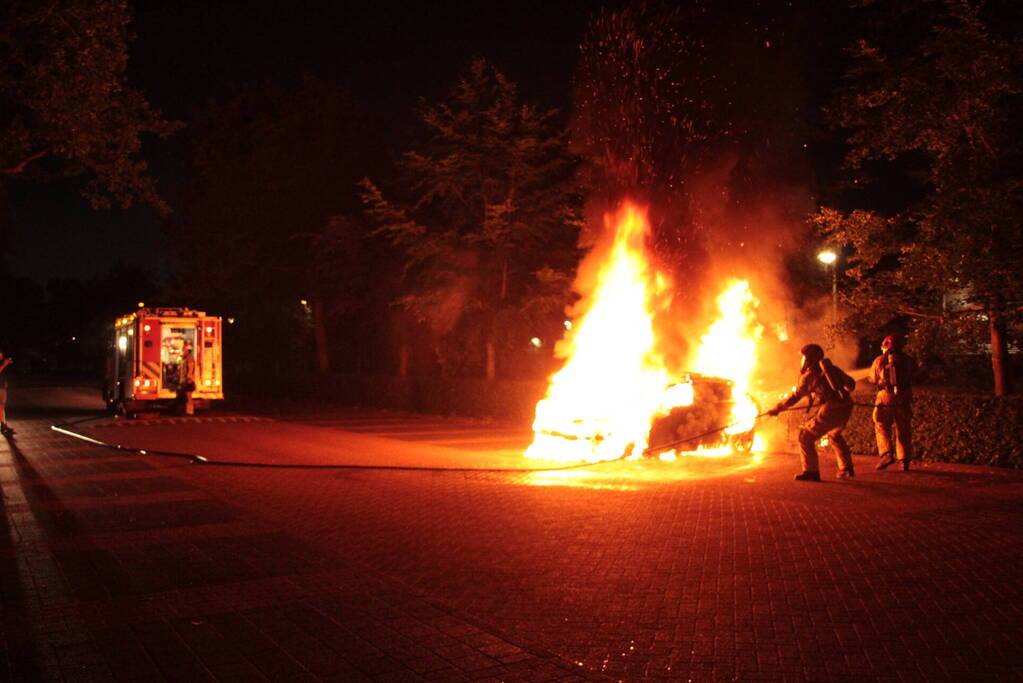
(144, 358)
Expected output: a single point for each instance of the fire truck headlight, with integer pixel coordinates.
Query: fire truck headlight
(138, 382)
(209, 382)
(146, 328)
(145, 383)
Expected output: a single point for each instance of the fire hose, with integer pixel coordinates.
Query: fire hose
(194, 458)
(64, 428)
(766, 413)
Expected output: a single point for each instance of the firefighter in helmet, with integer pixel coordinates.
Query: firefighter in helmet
(186, 381)
(831, 389)
(892, 373)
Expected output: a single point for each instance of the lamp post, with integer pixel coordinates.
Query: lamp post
(829, 258)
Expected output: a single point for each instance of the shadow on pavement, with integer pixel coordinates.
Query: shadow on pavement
(22, 656)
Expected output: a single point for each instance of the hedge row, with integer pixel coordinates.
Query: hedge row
(974, 429)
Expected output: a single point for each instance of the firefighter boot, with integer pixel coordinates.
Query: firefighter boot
(886, 460)
(6, 429)
(905, 464)
(809, 476)
(845, 474)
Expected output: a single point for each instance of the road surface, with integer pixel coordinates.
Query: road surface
(118, 566)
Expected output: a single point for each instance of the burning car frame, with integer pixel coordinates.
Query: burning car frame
(699, 414)
(616, 394)
(711, 421)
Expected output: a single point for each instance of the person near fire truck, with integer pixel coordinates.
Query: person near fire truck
(186, 381)
(825, 384)
(5, 428)
(892, 373)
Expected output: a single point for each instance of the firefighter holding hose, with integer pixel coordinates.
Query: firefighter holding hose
(892, 373)
(831, 389)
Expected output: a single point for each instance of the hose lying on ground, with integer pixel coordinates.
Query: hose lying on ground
(64, 428)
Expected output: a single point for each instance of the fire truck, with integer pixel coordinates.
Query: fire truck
(144, 359)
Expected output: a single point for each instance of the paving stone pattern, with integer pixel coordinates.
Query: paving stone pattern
(128, 568)
(121, 568)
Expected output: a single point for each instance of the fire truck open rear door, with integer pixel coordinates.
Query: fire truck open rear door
(144, 358)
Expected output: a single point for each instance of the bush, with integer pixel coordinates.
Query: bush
(973, 429)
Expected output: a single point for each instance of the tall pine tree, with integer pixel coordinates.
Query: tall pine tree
(486, 216)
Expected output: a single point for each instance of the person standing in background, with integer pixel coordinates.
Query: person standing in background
(892, 373)
(186, 381)
(5, 428)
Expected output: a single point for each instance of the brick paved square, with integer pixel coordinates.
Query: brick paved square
(145, 568)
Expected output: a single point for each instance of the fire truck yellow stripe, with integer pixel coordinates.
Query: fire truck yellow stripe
(150, 370)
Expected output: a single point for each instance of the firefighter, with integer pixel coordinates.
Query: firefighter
(825, 384)
(186, 381)
(892, 373)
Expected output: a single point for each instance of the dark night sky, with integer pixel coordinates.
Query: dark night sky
(388, 53)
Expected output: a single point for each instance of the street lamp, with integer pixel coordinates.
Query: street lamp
(829, 258)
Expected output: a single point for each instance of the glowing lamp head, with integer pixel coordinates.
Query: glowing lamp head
(827, 257)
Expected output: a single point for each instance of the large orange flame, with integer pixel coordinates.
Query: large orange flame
(600, 405)
(729, 350)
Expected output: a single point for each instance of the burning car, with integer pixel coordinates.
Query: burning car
(710, 419)
(617, 394)
(697, 414)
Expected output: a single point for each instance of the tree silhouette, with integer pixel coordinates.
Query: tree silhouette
(272, 167)
(486, 215)
(933, 95)
(64, 98)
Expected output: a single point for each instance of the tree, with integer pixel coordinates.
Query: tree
(271, 168)
(488, 204)
(64, 98)
(933, 96)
